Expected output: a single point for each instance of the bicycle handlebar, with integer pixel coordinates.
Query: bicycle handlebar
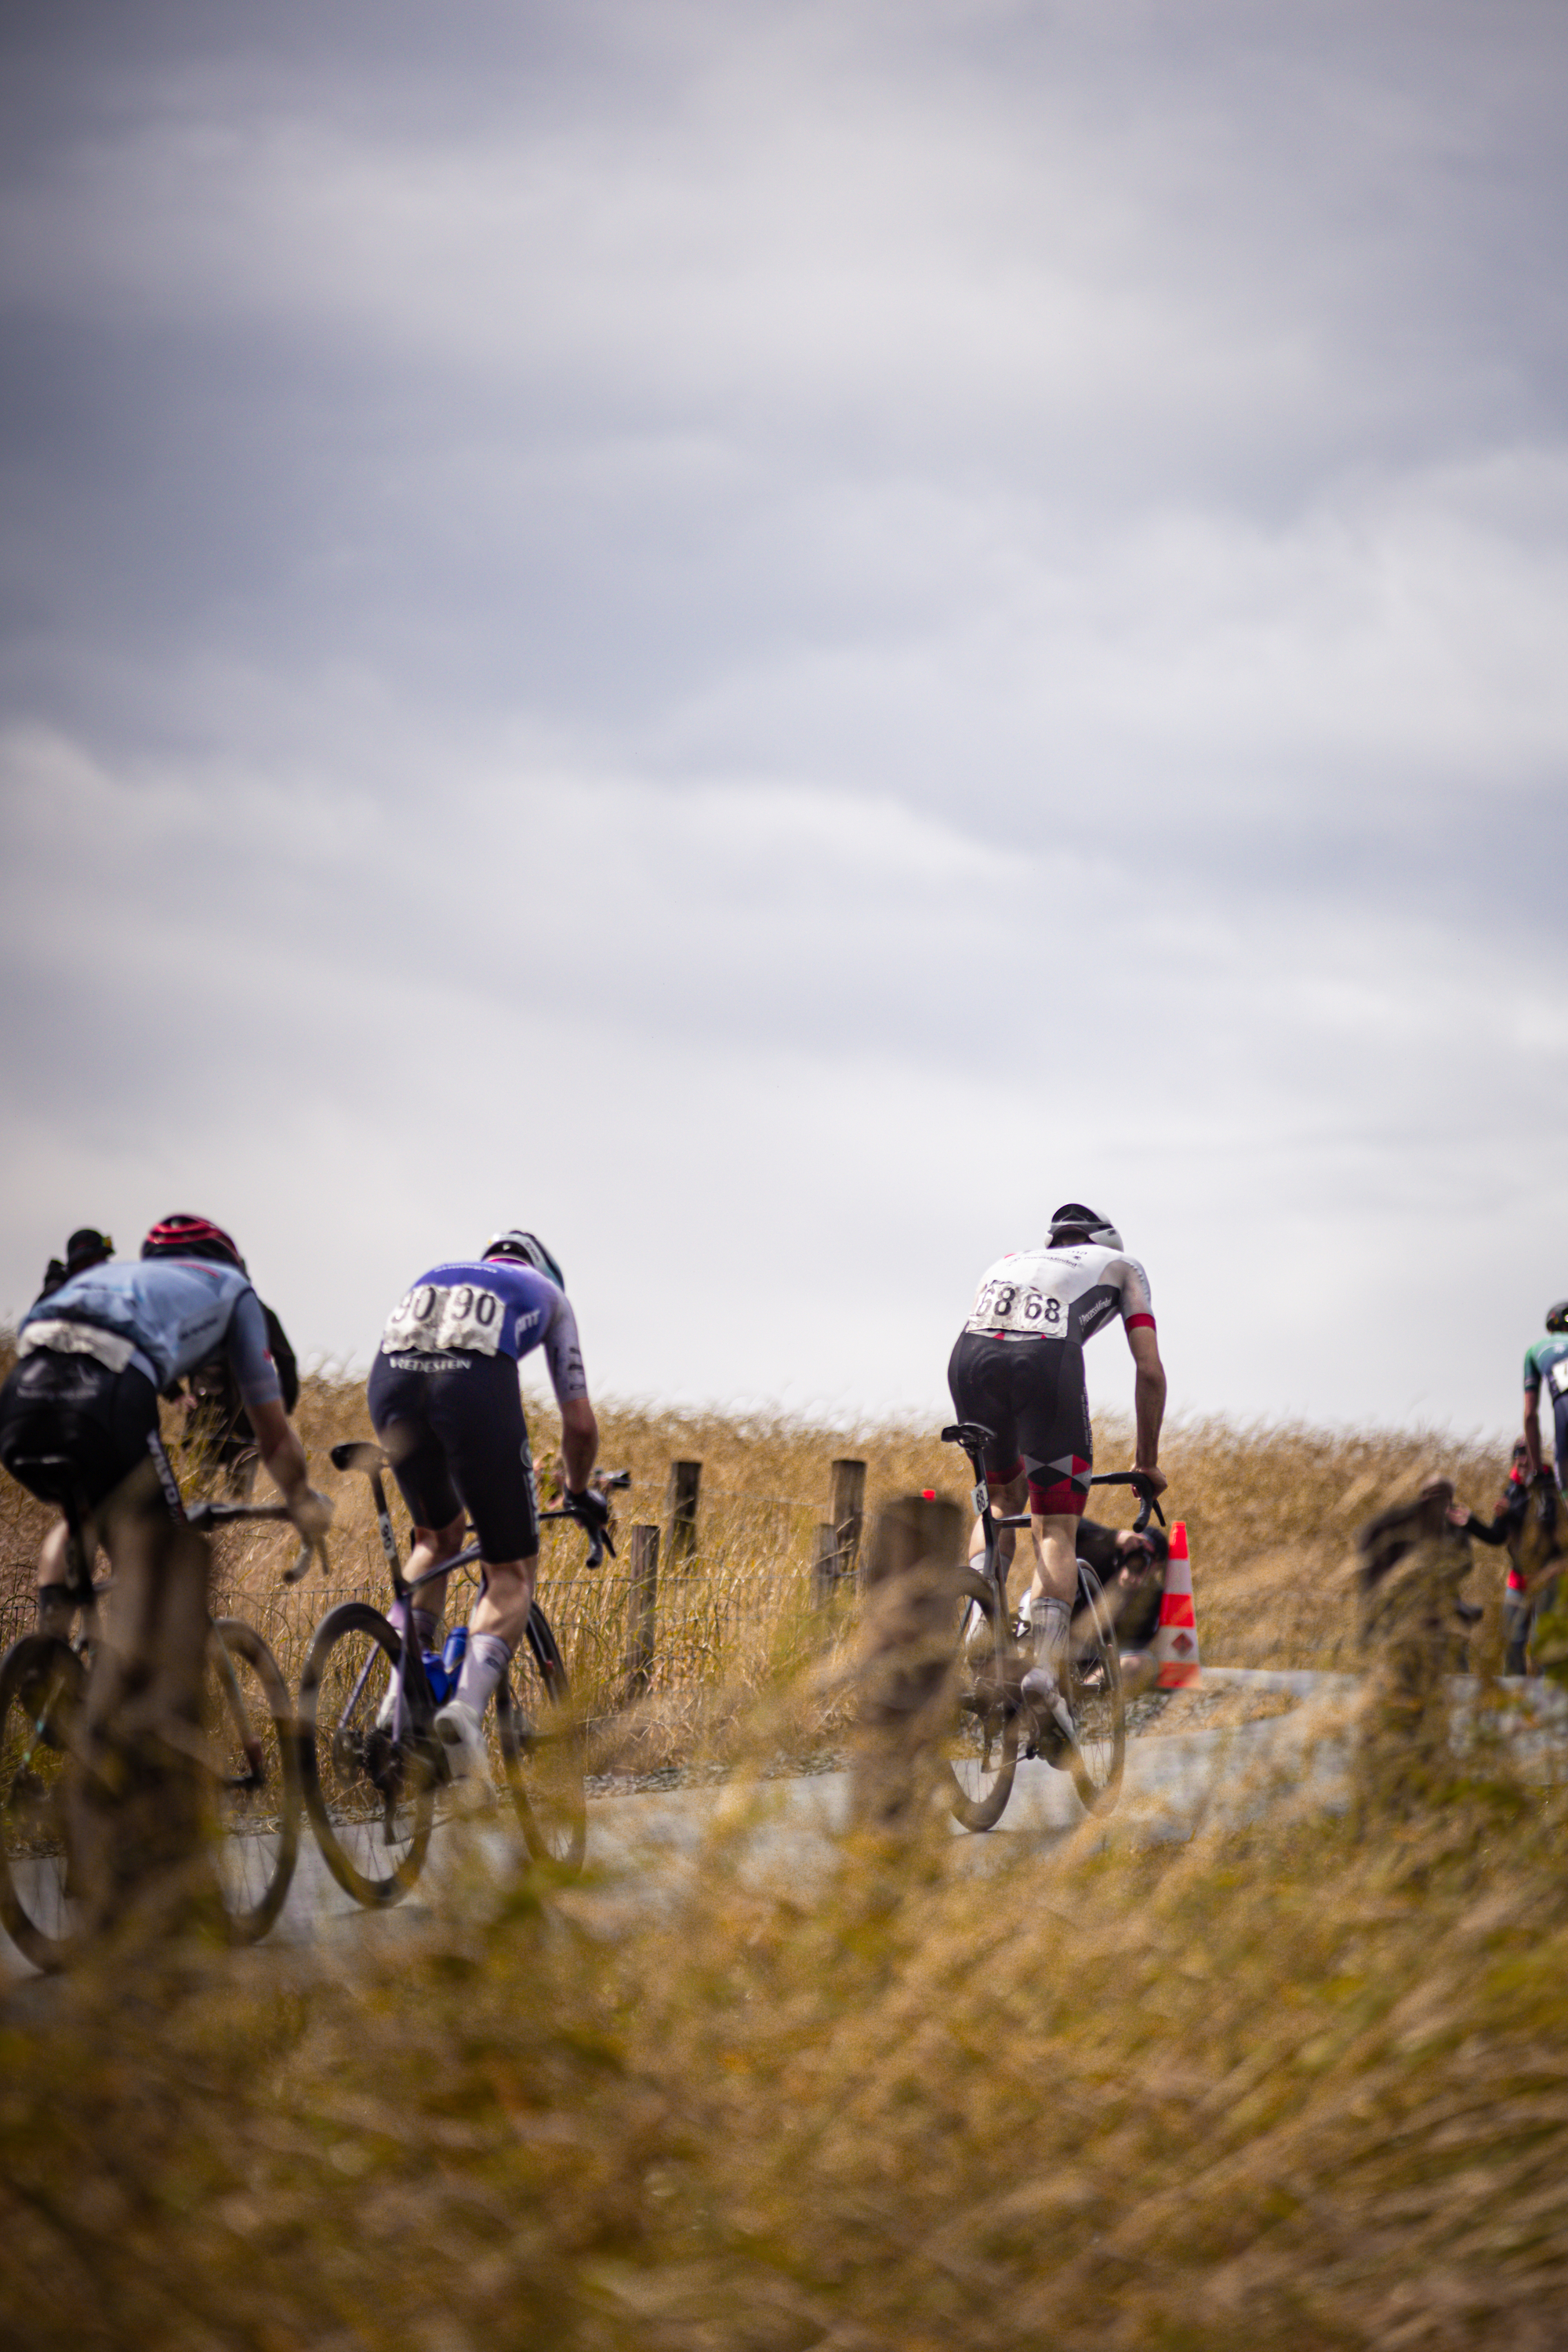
(1138, 1482)
(204, 1516)
(600, 1539)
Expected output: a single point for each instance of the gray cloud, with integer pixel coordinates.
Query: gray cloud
(808, 628)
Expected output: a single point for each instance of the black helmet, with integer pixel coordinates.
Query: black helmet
(185, 1236)
(1557, 1316)
(87, 1247)
(1073, 1222)
(526, 1249)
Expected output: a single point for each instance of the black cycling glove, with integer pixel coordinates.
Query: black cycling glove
(591, 1509)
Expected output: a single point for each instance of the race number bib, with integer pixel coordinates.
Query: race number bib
(1557, 1378)
(433, 1319)
(1019, 1306)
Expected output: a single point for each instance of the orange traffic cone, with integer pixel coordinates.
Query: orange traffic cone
(1176, 1641)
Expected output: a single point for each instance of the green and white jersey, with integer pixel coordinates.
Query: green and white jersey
(1546, 1365)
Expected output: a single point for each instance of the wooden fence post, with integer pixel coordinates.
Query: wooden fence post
(848, 1512)
(824, 1564)
(907, 1638)
(681, 1512)
(642, 1609)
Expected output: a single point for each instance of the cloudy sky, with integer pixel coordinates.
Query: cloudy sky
(771, 638)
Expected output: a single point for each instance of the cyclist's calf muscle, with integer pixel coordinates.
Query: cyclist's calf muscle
(1056, 1557)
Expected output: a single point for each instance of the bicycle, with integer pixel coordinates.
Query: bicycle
(371, 1761)
(992, 1711)
(251, 1760)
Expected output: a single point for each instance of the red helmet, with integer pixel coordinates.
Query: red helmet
(193, 1237)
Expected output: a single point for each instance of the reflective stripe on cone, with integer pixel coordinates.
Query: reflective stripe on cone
(1175, 1648)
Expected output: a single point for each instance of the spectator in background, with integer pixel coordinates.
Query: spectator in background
(218, 1436)
(1531, 1538)
(1131, 1572)
(87, 1247)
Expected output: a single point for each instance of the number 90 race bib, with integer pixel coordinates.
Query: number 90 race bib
(433, 1318)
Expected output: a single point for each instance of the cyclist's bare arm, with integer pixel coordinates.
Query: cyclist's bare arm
(1533, 1428)
(579, 1441)
(284, 1457)
(1149, 1402)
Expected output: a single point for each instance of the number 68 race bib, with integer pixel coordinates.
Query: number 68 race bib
(1019, 1306)
(434, 1319)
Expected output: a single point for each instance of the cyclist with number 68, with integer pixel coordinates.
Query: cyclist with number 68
(1018, 1369)
(445, 1397)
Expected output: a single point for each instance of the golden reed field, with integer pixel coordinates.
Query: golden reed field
(1304, 2083)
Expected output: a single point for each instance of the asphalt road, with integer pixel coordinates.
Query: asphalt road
(1175, 1786)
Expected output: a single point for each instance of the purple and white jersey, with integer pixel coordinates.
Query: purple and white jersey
(492, 1308)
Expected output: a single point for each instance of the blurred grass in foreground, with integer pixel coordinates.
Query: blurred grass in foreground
(1300, 2086)
(1303, 2084)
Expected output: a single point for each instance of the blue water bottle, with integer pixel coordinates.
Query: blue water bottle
(452, 1656)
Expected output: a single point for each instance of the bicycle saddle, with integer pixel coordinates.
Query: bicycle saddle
(970, 1435)
(359, 1454)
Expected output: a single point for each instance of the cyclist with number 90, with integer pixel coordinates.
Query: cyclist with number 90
(1018, 1369)
(445, 1400)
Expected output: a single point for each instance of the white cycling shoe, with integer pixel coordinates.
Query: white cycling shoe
(458, 1730)
(1057, 1733)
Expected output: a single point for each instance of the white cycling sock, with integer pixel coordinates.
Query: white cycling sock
(485, 1661)
(1051, 1620)
(426, 1626)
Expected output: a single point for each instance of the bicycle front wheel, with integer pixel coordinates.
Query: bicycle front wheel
(42, 1682)
(1096, 1699)
(541, 1745)
(369, 1783)
(256, 1768)
(982, 1748)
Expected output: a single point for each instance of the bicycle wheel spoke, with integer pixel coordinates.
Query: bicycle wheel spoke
(537, 1743)
(369, 1791)
(981, 1748)
(249, 1727)
(1097, 1700)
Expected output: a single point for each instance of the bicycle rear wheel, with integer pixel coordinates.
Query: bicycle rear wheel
(370, 1796)
(42, 1681)
(256, 1765)
(541, 1744)
(1096, 1697)
(982, 1745)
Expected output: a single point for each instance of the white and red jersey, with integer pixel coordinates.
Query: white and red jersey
(1061, 1294)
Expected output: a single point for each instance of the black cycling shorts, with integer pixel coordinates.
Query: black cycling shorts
(454, 1427)
(1030, 1394)
(105, 1423)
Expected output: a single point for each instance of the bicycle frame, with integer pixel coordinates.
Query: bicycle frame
(416, 1702)
(975, 1437)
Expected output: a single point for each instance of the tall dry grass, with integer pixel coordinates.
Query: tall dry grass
(1294, 2086)
(1271, 1512)
(1304, 2083)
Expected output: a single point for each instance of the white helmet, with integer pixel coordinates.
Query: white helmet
(526, 1249)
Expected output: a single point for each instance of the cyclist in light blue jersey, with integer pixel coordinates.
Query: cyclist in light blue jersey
(93, 1357)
